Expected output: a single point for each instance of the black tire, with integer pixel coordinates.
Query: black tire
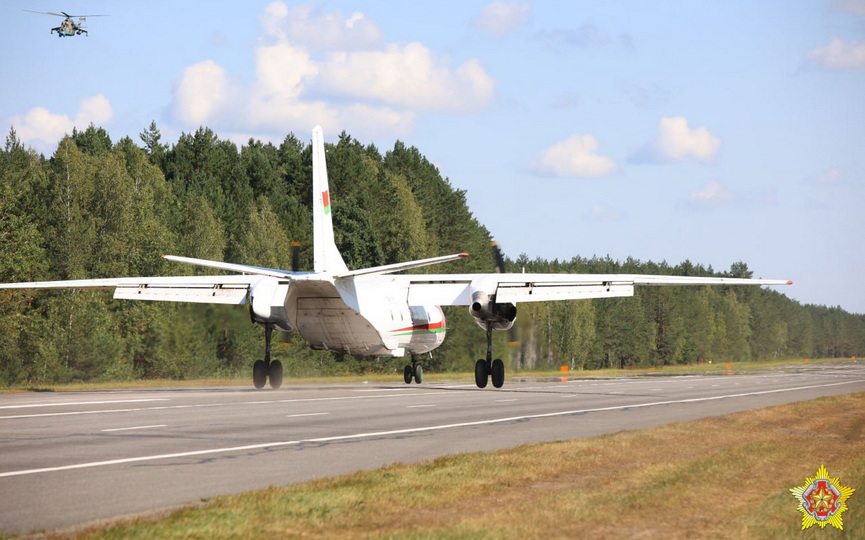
(275, 374)
(407, 374)
(259, 373)
(418, 374)
(481, 375)
(498, 373)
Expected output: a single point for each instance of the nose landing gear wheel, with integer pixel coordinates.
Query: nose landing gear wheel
(413, 371)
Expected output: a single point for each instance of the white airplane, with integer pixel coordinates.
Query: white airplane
(372, 311)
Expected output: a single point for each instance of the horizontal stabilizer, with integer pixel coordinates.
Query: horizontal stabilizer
(231, 267)
(397, 267)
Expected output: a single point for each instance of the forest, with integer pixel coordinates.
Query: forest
(98, 208)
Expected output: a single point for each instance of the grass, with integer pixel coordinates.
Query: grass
(143, 384)
(717, 477)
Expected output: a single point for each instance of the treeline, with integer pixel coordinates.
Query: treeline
(98, 208)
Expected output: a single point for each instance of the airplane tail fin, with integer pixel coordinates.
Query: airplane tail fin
(326, 257)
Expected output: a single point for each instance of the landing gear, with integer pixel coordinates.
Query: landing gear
(413, 371)
(489, 368)
(264, 369)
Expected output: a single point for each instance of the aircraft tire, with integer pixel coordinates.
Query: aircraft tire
(259, 373)
(498, 373)
(275, 374)
(407, 374)
(418, 374)
(481, 374)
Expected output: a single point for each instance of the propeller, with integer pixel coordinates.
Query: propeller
(500, 265)
(295, 256)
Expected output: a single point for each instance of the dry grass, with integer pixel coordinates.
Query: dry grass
(718, 477)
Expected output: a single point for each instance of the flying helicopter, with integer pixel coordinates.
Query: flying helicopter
(67, 27)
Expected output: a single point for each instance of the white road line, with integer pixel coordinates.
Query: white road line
(136, 427)
(420, 406)
(70, 403)
(504, 400)
(373, 434)
(307, 414)
(200, 405)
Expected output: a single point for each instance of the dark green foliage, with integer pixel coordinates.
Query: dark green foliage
(98, 209)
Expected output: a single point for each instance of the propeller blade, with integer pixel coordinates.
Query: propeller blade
(295, 256)
(500, 259)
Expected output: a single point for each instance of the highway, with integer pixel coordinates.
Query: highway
(72, 458)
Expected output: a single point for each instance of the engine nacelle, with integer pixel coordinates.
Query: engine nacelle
(487, 312)
(267, 303)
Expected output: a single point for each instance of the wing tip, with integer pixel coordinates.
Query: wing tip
(789, 282)
(463, 255)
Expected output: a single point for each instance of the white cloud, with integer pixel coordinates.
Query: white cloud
(323, 68)
(713, 194)
(839, 56)
(678, 142)
(604, 214)
(202, 91)
(409, 76)
(576, 157)
(500, 17)
(310, 26)
(41, 128)
(831, 176)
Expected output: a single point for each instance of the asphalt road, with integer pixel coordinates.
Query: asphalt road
(68, 459)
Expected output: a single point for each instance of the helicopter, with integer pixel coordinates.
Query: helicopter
(68, 27)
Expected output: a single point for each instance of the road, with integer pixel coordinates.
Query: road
(70, 458)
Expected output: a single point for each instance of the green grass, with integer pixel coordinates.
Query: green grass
(717, 477)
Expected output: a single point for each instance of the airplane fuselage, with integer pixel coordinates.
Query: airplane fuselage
(364, 316)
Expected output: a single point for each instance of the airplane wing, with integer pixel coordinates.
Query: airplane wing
(199, 289)
(456, 289)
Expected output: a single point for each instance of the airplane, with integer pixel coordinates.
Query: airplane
(372, 312)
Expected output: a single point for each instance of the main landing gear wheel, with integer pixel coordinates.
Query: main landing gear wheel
(489, 368)
(497, 373)
(481, 373)
(275, 374)
(264, 369)
(413, 371)
(259, 373)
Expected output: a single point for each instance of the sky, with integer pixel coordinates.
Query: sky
(672, 130)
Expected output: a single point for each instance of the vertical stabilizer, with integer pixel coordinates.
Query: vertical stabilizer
(326, 257)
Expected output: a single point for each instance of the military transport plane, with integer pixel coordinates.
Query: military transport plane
(372, 311)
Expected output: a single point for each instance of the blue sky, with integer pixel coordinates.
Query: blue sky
(661, 130)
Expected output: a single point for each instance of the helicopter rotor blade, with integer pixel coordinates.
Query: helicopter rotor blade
(44, 12)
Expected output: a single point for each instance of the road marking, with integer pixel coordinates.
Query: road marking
(136, 427)
(420, 406)
(70, 403)
(505, 400)
(376, 434)
(200, 405)
(308, 414)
